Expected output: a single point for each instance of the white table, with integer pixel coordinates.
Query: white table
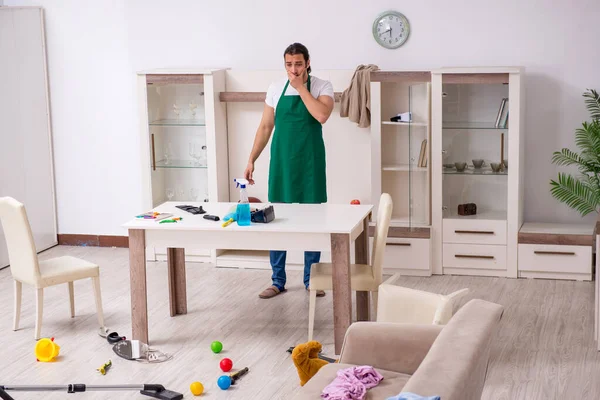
(305, 227)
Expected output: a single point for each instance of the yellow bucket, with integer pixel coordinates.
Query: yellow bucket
(46, 350)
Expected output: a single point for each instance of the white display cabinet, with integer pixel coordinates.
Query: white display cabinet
(400, 165)
(477, 154)
(184, 142)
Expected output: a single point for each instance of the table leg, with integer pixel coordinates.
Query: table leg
(342, 300)
(361, 256)
(139, 296)
(177, 282)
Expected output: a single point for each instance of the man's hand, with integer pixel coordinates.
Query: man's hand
(248, 173)
(296, 81)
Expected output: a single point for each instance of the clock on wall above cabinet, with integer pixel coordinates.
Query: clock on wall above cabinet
(391, 29)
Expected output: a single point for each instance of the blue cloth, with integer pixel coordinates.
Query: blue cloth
(412, 396)
(278, 266)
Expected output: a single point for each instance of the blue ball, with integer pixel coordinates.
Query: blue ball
(224, 382)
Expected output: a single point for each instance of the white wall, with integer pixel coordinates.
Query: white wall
(95, 47)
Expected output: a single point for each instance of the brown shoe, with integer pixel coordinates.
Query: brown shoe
(320, 293)
(269, 292)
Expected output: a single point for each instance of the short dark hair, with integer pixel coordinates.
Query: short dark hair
(298, 48)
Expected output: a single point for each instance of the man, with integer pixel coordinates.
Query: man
(296, 107)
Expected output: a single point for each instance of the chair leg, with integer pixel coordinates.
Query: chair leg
(98, 296)
(39, 310)
(375, 296)
(18, 295)
(311, 313)
(72, 299)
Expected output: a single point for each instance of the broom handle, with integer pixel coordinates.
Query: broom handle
(73, 388)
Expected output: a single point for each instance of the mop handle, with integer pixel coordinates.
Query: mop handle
(78, 387)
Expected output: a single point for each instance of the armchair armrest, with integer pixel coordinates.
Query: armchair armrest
(391, 346)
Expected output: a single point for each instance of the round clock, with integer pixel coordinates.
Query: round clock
(391, 29)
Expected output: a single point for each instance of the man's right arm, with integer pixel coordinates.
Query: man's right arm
(263, 134)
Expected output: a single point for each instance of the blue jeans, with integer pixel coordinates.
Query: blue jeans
(278, 266)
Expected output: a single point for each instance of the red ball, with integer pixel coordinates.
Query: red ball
(226, 364)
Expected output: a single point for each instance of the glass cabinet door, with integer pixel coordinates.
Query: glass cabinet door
(405, 132)
(474, 148)
(176, 116)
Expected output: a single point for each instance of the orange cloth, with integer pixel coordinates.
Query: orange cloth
(307, 361)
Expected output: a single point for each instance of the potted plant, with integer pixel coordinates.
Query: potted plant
(582, 193)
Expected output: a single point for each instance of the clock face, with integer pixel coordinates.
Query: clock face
(391, 29)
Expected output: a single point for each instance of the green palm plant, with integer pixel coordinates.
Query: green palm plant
(581, 193)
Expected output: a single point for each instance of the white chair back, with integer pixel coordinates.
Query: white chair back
(19, 241)
(384, 216)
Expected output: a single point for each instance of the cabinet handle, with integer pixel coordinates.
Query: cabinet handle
(153, 154)
(398, 244)
(473, 256)
(477, 232)
(555, 253)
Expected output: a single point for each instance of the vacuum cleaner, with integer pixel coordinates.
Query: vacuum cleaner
(151, 390)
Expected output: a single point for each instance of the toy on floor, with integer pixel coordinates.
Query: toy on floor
(196, 388)
(46, 350)
(216, 346)
(307, 361)
(151, 390)
(226, 364)
(224, 382)
(104, 368)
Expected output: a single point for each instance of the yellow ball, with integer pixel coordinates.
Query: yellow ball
(196, 388)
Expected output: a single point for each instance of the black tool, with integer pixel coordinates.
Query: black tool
(114, 337)
(192, 209)
(330, 360)
(265, 215)
(151, 390)
(211, 217)
(235, 376)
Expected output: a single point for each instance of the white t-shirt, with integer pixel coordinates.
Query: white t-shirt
(318, 87)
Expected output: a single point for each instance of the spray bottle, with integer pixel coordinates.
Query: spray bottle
(243, 207)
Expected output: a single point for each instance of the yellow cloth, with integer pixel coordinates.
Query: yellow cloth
(307, 361)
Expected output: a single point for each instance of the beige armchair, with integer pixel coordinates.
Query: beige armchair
(429, 360)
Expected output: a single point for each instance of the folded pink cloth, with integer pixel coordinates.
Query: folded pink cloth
(352, 383)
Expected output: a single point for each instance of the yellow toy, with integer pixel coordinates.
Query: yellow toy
(307, 361)
(196, 388)
(46, 350)
(104, 368)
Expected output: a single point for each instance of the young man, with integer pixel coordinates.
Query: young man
(296, 107)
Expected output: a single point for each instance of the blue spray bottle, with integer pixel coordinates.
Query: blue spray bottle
(243, 207)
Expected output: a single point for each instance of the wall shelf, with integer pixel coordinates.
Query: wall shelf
(251, 97)
(403, 167)
(405, 123)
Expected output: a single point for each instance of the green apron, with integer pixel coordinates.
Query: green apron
(297, 167)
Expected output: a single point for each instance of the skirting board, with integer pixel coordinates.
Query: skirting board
(93, 240)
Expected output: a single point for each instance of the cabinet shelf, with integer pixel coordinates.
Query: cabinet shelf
(481, 215)
(178, 122)
(403, 167)
(453, 171)
(405, 123)
(471, 125)
(180, 164)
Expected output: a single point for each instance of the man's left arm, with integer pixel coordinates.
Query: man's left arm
(320, 108)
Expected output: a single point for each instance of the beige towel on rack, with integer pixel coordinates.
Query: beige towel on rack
(355, 101)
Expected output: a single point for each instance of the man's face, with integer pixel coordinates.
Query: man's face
(295, 64)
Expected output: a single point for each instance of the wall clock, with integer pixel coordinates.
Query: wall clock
(391, 29)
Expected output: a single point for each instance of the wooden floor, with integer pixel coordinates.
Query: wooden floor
(543, 350)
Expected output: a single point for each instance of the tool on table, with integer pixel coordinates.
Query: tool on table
(237, 375)
(243, 207)
(265, 215)
(167, 221)
(104, 368)
(192, 209)
(227, 222)
(211, 217)
(151, 390)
